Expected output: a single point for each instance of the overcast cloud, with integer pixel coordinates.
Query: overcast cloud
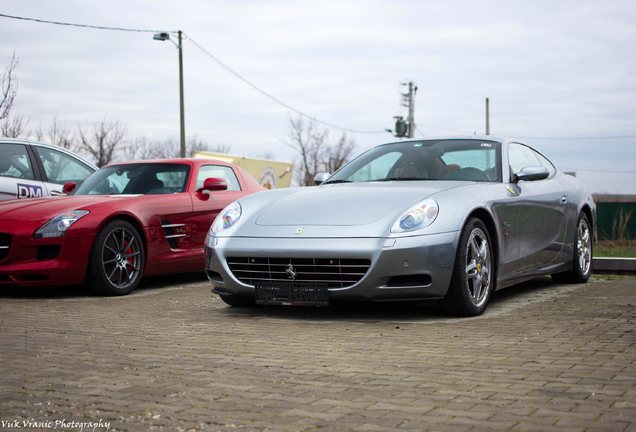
(550, 69)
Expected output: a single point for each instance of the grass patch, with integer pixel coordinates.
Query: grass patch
(615, 249)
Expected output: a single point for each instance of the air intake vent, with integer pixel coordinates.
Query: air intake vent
(336, 273)
(168, 230)
(5, 245)
(48, 252)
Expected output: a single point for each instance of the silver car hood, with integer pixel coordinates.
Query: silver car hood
(346, 205)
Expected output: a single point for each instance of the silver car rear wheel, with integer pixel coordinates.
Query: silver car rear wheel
(581, 255)
(584, 246)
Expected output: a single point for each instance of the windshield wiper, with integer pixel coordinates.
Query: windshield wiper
(337, 181)
(403, 179)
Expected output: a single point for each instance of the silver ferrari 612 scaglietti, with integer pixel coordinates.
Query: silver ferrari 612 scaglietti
(448, 220)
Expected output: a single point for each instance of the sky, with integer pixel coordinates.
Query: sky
(560, 75)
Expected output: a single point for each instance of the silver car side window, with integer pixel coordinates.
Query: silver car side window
(61, 168)
(546, 163)
(16, 162)
(520, 156)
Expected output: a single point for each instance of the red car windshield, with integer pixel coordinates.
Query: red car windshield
(136, 179)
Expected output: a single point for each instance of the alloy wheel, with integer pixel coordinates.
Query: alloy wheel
(584, 246)
(478, 266)
(121, 257)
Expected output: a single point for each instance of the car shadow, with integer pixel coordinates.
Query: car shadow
(502, 301)
(147, 285)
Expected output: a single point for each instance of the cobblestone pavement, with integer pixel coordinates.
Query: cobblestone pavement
(172, 356)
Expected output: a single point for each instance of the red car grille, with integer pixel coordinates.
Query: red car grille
(48, 252)
(5, 245)
(336, 273)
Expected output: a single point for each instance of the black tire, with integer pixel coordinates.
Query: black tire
(582, 254)
(117, 259)
(473, 279)
(238, 301)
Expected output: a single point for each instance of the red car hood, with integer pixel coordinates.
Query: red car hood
(43, 209)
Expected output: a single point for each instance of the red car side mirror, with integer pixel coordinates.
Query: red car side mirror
(69, 187)
(213, 184)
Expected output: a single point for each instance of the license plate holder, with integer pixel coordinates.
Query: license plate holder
(292, 294)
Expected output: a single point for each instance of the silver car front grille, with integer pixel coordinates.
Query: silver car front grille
(5, 245)
(336, 273)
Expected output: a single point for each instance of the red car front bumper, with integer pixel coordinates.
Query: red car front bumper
(33, 262)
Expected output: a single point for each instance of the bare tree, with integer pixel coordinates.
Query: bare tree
(58, 135)
(195, 144)
(171, 148)
(15, 127)
(220, 148)
(9, 84)
(142, 148)
(309, 143)
(339, 153)
(103, 140)
(316, 152)
(268, 154)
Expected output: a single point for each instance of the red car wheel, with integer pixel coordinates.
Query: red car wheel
(117, 259)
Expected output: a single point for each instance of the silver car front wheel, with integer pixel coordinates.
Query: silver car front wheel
(473, 274)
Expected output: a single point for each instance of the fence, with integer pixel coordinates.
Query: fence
(615, 217)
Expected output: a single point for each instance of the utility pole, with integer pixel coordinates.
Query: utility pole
(181, 104)
(408, 100)
(164, 37)
(487, 117)
(402, 128)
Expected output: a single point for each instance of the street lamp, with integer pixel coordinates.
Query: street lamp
(163, 37)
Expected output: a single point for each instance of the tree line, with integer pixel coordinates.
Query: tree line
(108, 140)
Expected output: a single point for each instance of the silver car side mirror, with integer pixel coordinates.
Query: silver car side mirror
(531, 174)
(321, 177)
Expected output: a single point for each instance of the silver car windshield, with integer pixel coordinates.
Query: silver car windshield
(134, 179)
(459, 160)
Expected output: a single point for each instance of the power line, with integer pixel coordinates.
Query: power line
(208, 54)
(600, 171)
(433, 127)
(577, 138)
(84, 25)
(543, 138)
(272, 97)
(227, 68)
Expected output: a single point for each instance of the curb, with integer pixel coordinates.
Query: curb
(614, 265)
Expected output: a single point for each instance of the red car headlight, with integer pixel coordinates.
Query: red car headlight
(57, 226)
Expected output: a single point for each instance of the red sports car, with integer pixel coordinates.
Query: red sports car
(125, 221)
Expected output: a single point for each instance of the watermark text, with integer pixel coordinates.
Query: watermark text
(56, 424)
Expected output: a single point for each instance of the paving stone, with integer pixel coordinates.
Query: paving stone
(180, 359)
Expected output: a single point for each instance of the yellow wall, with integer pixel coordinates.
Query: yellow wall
(269, 173)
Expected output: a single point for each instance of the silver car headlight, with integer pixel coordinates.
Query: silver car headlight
(227, 218)
(57, 226)
(417, 217)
